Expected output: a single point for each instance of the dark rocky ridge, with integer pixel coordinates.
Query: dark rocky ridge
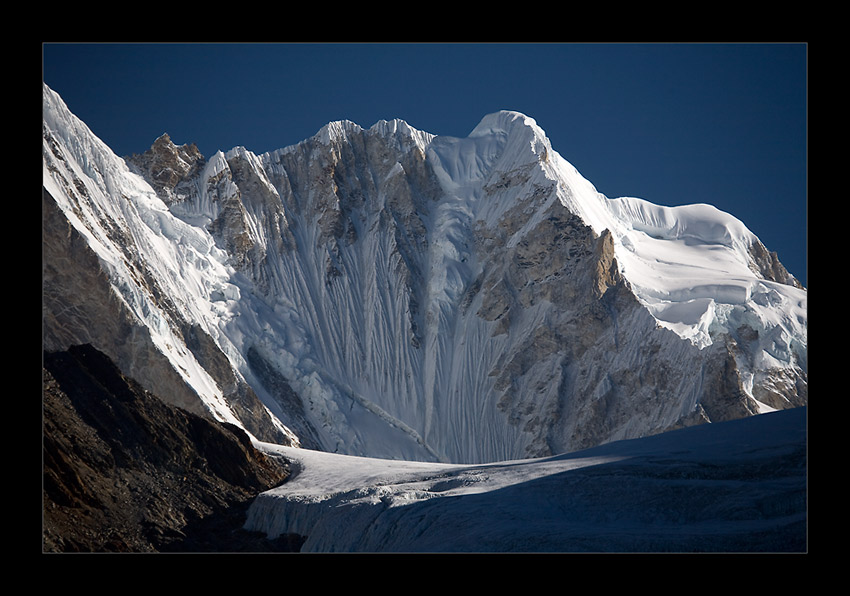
(166, 166)
(125, 472)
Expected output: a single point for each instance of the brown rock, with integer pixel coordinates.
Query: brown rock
(126, 472)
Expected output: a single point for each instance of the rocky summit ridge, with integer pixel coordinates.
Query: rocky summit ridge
(391, 293)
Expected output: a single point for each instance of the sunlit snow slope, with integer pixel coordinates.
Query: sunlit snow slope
(391, 293)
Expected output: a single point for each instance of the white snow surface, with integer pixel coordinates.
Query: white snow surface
(683, 491)
(367, 392)
(689, 265)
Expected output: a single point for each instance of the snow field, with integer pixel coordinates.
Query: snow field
(685, 491)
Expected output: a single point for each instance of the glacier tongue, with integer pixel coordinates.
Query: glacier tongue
(391, 293)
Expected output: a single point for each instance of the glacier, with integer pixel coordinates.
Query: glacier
(394, 294)
(736, 486)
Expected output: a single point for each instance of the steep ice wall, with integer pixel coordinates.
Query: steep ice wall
(391, 293)
(473, 299)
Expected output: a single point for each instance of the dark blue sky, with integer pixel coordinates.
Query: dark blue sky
(724, 124)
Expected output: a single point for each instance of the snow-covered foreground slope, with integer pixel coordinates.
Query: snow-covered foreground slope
(732, 486)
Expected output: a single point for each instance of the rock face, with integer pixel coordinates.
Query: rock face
(168, 166)
(389, 293)
(125, 472)
(79, 307)
(82, 306)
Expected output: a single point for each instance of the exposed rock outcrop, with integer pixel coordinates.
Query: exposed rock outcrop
(79, 307)
(766, 264)
(169, 167)
(125, 472)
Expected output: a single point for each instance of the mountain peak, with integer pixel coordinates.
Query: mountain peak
(163, 139)
(461, 303)
(164, 144)
(503, 122)
(337, 130)
(166, 165)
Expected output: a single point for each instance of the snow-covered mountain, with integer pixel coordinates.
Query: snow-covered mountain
(389, 293)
